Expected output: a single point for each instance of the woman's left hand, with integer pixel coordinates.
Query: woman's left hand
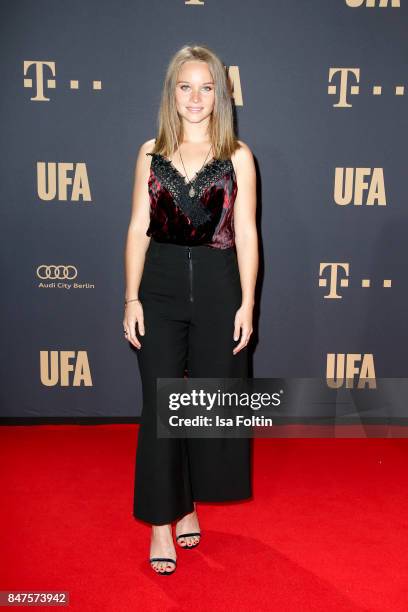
(243, 324)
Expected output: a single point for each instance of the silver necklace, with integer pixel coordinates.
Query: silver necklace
(191, 191)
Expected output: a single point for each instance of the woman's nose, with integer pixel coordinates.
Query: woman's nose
(195, 96)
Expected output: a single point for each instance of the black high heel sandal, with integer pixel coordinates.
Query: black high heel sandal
(165, 573)
(187, 535)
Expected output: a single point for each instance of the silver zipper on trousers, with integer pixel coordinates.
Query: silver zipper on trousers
(190, 268)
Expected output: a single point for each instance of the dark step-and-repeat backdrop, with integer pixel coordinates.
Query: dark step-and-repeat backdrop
(320, 94)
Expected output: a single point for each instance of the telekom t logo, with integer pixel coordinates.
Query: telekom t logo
(347, 84)
(43, 75)
(337, 275)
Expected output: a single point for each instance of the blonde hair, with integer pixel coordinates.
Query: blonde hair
(221, 127)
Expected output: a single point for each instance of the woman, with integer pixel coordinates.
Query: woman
(191, 264)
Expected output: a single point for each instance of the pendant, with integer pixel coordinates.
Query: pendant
(191, 193)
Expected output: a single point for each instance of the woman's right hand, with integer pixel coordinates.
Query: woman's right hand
(133, 315)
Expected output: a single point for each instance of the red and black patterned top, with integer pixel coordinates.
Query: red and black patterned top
(206, 218)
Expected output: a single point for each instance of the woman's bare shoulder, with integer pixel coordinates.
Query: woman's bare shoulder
(143, 161)
(244, 151)
(147, 147)
(243, 157)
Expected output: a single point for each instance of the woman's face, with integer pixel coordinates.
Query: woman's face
(195, 94)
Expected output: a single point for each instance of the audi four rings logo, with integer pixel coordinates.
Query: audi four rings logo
(60, 272)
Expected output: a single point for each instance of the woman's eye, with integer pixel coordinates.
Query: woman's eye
(206, 87)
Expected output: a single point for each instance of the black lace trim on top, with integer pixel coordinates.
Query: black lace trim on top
(174, 182)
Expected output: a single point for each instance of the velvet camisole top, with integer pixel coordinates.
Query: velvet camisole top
(204, 219)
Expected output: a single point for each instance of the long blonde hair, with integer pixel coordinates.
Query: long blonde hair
(169, 125)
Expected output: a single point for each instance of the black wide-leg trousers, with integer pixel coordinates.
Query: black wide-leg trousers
(190, 296)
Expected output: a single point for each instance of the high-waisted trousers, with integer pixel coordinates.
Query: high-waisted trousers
(190, 296)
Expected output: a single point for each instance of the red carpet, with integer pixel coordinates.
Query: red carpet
(327, 529)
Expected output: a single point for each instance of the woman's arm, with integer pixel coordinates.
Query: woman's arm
(246, 240)
(137, 243)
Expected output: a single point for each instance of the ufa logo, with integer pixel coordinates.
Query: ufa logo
(65, 368)
(53, 179)
(346, 367)
(350, 3)
(359, 186)
(373, 3)
(233, 75)
(41, 72)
